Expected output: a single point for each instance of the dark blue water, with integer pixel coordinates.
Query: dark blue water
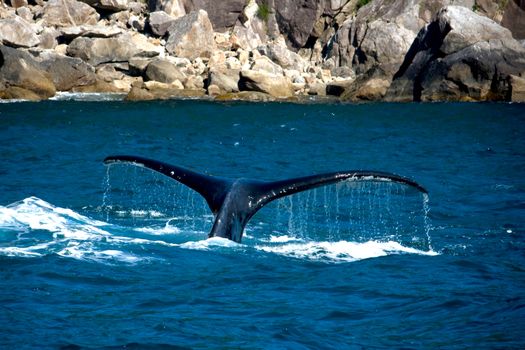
(96, 257)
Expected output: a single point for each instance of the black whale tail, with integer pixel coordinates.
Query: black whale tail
(234, 202)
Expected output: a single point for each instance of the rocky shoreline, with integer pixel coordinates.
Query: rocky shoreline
(263, 50)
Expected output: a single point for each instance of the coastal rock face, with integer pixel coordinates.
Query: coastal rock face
(514, 18)
(459, 56)
(67, 72)
(21, 76)
(191, 36)
(63, 13)
(17, 32)
(296, 19)
(118, 49)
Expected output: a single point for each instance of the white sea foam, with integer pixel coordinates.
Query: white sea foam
(37, 228)
(341, 251)
(87, 96)
(210, 243)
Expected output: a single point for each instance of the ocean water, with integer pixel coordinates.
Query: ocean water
(98, 257)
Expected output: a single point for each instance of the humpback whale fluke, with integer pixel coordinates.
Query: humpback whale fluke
(233, 202)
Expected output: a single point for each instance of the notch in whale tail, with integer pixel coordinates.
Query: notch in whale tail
(234, 202)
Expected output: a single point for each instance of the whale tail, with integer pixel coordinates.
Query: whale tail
(233, 202)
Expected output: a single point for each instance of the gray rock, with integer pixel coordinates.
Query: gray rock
(275, 85)
(281, 55)
(191, 36)
(25, 13)
(159, 22)
(222, 14)
(226, 80)
(514, 18)
(67, 72)
(117, 49)
(265, 64)
(64, 13)
(459, 56)
(296, 19)
(18, 3)
(17, 32)
(164, 71)
(92, 31)
(19, 70)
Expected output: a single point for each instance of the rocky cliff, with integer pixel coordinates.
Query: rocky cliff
(394, 50)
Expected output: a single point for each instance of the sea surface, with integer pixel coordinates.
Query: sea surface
(118, 257)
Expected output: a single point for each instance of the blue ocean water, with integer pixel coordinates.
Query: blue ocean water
(97, 257)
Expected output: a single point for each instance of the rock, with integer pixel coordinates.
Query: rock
(109, 5)
(156, 85)
(160, 91)
(48, 38)
(25, 13)
(174, 8)
(194, 82)
(138, 65)
(164, 71)
(67, 72)
(214, 90)
(17, 32)
(64, 13)
(459, 56)
(191, 36)
(517, 89)
(296, 19)
(226, 80)
(275, 85)
(265, 64)
(159, 22)
(91, 31)
(317, 88)
(223, 14)
(514, 18)
(281, 55)
(461, 27)
(117, 49)
(18, 93)
(252, 96)
(251, 31)
(18, 3)
(20, 70)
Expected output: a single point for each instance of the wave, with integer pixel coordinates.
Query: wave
(34, 228)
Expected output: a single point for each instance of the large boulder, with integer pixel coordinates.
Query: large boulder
(223, 14)
(226, 80)
(159, 22)
(116, 49)
(21, 76)
(17, 32)
(275, 85)
(191, 36)
(459, 56)
(164, 71)
(65, 13)
(67, 72)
